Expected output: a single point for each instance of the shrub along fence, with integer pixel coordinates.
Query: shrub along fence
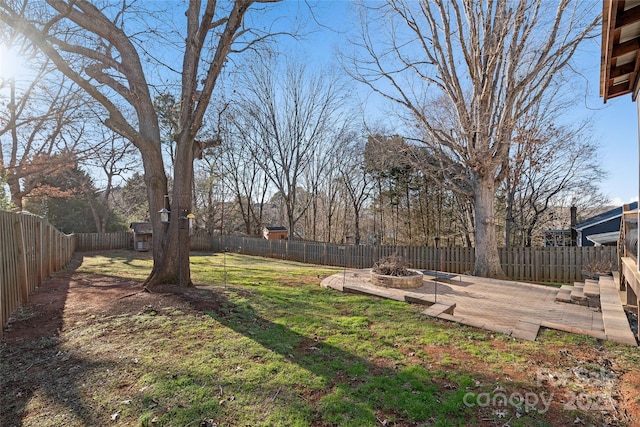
(31, 250)
(535, 264)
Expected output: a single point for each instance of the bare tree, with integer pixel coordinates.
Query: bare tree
(250, 186)
(552, 166)
(487, 62)
(42, 117)
(113, 156)
(291, 124)
(356, 181)
(332, 193)
(114, 52)
(211, 194)
(131, 200)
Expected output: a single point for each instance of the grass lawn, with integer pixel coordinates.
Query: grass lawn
(259, 343)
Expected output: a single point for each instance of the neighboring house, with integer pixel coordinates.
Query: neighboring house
(141, 235)
(605, 239)
(560, 237)
(602, 229)
(275, 233)
(556, 238)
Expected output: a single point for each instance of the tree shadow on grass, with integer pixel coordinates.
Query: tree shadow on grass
(35, 365)
(359, 391)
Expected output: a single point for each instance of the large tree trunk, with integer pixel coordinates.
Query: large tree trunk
(15, 191)
(291, 222)
(487, 257)
(118, 69)
(356, 224)
(486, 65)
(171, 254)
(156, 184)
(93, 206)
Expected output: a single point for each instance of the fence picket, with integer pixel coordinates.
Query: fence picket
(527, 264)
(27, 257)
(45, 251)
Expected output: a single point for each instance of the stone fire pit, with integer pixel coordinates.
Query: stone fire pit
(399, 282)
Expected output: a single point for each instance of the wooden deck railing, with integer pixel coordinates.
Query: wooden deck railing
(31, 250)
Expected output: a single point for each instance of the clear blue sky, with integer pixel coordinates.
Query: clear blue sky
(615, 128)
(615, 124)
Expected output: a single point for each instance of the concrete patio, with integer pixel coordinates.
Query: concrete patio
(512, 308)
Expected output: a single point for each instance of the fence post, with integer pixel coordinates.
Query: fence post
(21, 262)
(324, 254)
(39, 253)
(49, 249)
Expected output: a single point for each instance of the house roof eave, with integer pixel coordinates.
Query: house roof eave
(620, 49)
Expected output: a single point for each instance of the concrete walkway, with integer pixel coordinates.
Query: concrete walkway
(513, 308)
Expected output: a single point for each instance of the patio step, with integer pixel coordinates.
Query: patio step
(564, 294)
(616, 280)
(363, 290)
(591, 288)
(586, 294)
(577, 294)
(439, 308)
(616, 325)
(526, 329)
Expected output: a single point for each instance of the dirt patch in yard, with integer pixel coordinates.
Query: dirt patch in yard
(35, 363)
(37, 366)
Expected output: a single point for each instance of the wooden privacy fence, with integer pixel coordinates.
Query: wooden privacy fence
(31, 250)
(86, 242)
(536, 264)
(102, 241)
